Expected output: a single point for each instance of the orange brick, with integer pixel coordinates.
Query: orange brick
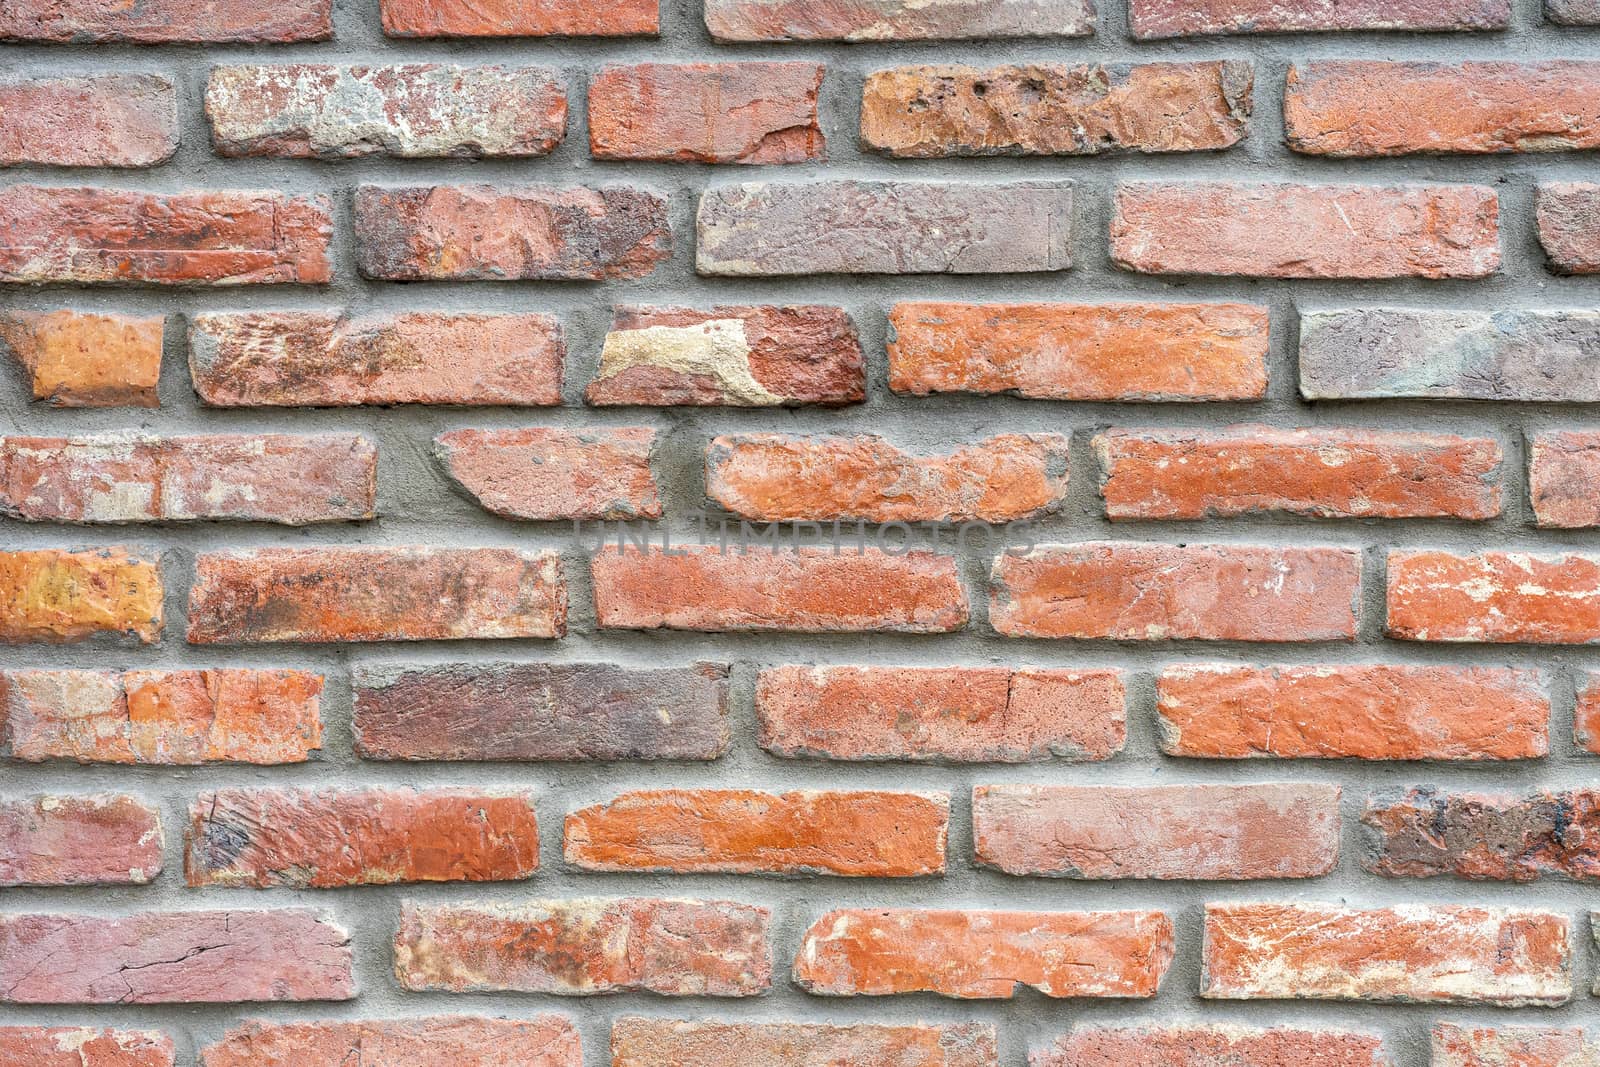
(460, 1041)
(707, 113)
(1586, 715)
(1210, 1046)
(1494, 597)
(77, 360)
(1511, 1046)
(1564, 479)
(555, 474)
(62, 1046)
(1186, 18)
(516, 18)
(54, 596)
(637, 1042)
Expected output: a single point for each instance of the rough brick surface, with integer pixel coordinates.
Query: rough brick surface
(1411, 953)
(1055, 109)
(78, 840)
(1564, 479)
(63, 1046)
(1586, 715)
(1572, 12)
(162, 21)
(1569, 226)
(515, 18)
(1169, 832)
(463, 1041)
(1205, 1046)
(110, 120)
(1494, 597)
(56, 596)
(936, 714)
(1279, 230)
(1188, 18)
(707, 113)
(555, 474)
(1474, 835)
(985, 954)
(80, 360)
(895, 20)
(673, 948)
(859, 834)
(1511, 1046)
(637, 1042)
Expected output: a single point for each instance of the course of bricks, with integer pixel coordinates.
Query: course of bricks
(1177, 417)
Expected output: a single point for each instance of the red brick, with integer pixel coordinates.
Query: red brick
(1209, 1046)
(1191, 832)
(78, 360)
(375, 594)
(119, 478)
(53, 596)
(783, 478)
(414, 110)
(955, 714)
(510, 233)
(1325, 474)
(1494, 597)
(730, 356)
(1127, 591)
(895, 20)
(1564, 479)
(555, 474)
(1411, 953)
(1353, 711)
(292, 358)
(108, 120)
(707, 113)
(1185, 18)
(1279, 230)
(517, 18)
(1424, 833)
(806, 590)
(170, 718)
(62, 1046)
(78, 840)
(175, 957)
(324, 839)
(1377, 108)
(674, 948)
(1176, 352)
(542, 1041)
(122, 237)
(541, 711)
(1511, 1046)
(1568, 215)
(1055, 109)
(740, 831)
(637, 1042)
(985, 954)
(1586, 714)
(163, 21)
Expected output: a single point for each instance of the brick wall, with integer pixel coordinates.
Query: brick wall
(1267, 328)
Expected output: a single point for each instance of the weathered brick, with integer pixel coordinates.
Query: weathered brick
(1515, 354)
(1424, 832)
(508, 233)
(783, 478)
(122, 237)
(955, 714)
(1586, 713)
(707, 112)
(1569, 226)
(78, 360)
(413, 110)
(130, 477)
(884, 227)
(53, 596)
(1410, 953)
(1128, 591)
(324, 839)
(1213, 832)
(896, 20)
(637, 1042)
(1353, 711)
(1187, 18)
(541, 711)
(1572, 12)
(808, 590)
(517, 18)
(1326, 474)
(1055, 109)
(174, 957)
(63, 1046)
(1176, 352)
(542, 1041)
(733, 356)
(1379, 108)
(1494, 597)
(985, 954)
(1511, 1046)
(78, 840)
(1207, 1046)
(674, 948)
(1564, 479)
(1281, 230)
(540, 473)
(173, 718)
(375, 594)
(292, 358)
(107, 120)
(739, 831)
(164, 21)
